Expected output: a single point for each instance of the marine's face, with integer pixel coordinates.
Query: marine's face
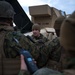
(36, 32)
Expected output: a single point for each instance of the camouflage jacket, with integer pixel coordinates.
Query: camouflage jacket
(55, 54)
(42, 54)
(68, 60)
(50, 53)
(11, 48)
(39, 41)
(41, 47)
(60, 59)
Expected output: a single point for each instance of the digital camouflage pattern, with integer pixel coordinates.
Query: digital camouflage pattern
(39, 41)
(55, 46)
(42, 49)
(55, 54)
(6, 64)
(40, 54)
(11, 48)
(52, 50)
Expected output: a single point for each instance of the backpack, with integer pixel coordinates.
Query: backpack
(8, 66)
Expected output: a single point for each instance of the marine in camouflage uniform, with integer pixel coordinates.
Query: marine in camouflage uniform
(67, 40)
(55, 54)
(39, 41)
(6, 63)
(9, 49)
(55, 47)
(50, 50)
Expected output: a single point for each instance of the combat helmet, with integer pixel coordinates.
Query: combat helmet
(7, 10)
(46, 71)
(57, 24)
(67, 33)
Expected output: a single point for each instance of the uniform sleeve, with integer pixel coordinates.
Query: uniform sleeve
(55, 48)
(31, 47)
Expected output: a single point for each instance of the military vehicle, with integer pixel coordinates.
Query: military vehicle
(47, 32)
(24, 24)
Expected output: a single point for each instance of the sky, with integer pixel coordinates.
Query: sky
(65, 5)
